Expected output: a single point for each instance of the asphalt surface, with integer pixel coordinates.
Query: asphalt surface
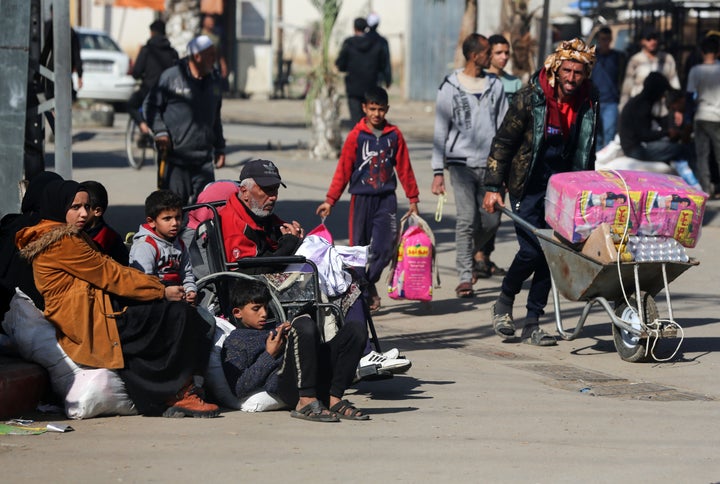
(471, 409)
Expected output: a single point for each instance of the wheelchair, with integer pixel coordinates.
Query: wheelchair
(293, 280)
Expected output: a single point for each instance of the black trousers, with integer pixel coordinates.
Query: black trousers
(135, 103)
(355, 108)
(164, 344)
(530, 259)
(314, 369)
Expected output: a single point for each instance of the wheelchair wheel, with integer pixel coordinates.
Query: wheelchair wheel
(213, 291)
(140, 149)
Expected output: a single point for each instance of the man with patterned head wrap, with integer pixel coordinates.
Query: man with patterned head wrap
(549, 128)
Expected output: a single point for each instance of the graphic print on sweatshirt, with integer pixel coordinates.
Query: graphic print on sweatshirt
(377, 167)
(168, 264)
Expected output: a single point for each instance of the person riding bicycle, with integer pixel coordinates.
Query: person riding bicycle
(183, 111)
(154, 57)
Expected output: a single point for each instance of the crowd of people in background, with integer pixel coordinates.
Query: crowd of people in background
(495, 136)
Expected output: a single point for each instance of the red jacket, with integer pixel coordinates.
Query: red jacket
(245, 235)
(369, 164)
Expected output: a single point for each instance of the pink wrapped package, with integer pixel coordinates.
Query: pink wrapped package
(659, 204)
(670, 208)
(576, 202)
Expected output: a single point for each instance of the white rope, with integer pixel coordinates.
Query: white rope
(653, 331)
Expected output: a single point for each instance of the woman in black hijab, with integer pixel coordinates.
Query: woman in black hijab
(107, 315)
(14, 270)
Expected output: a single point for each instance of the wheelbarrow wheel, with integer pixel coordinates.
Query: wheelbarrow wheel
(630, 347)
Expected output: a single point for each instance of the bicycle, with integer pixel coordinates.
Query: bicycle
(139, 147)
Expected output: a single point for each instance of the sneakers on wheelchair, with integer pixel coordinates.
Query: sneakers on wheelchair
(388, 361)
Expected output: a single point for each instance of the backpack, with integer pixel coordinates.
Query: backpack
(413, 266)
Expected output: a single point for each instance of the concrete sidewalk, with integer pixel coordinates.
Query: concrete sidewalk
(471, 409)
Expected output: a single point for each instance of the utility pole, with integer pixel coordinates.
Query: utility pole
(63, 89)
(280, 79)
(542, 45)
(14, 59)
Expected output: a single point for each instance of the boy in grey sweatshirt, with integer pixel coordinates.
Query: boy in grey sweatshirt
(470, 107)
(158, 250)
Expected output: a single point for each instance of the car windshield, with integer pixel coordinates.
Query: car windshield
(97, 42)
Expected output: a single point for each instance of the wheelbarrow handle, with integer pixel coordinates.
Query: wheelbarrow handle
(539, 233)
(518, 220)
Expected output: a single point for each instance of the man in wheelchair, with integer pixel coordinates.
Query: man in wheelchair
(251, 229)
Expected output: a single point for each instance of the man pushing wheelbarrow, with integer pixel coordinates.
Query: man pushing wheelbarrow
(549, 128)
(636, 224)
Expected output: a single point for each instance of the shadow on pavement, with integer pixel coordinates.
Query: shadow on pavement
(398, 388)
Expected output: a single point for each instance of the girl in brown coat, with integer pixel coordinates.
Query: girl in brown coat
(111, 316)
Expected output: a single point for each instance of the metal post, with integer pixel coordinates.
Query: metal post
(14, 43)
(63, 89)
(542, 44)
(279, 80)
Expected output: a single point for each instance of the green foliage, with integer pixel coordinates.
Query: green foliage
(322, 76)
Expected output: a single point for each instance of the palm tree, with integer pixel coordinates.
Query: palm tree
(323, 100)
(468, 25)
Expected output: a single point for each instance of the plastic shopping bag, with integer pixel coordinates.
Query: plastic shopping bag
(411, 275)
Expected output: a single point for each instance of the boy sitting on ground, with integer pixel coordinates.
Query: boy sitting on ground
(289, 360)
(158, 250)
(108, 240)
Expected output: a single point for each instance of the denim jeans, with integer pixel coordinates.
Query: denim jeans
(707, 134)
(608, 123)
(473, 225)
(530, 259)
(660, 150)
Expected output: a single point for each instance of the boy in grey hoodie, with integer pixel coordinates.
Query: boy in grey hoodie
(470, 106)
(158, 250)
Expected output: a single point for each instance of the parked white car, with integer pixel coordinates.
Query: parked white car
(105, 68)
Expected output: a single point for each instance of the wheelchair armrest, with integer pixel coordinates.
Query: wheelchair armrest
(272, 261)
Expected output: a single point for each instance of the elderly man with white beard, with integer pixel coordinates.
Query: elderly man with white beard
(249, 227)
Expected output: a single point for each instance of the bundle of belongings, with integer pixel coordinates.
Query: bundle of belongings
(627, 206)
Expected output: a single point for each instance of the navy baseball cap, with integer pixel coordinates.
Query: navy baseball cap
(264, 172)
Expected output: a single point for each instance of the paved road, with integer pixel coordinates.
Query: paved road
(471, 409)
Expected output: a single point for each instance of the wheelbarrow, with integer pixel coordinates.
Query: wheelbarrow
(636, 325)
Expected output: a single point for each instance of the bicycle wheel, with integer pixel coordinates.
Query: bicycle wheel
(140, 149)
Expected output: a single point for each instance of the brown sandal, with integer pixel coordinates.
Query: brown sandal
(464, 290)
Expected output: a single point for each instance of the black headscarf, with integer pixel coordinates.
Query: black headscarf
(57, 199)
(32, 200)
(14, 270)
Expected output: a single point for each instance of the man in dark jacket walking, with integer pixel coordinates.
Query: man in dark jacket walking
(549, 128)
(183, 110)
(385, 73)
(154, 57)
(361, 58)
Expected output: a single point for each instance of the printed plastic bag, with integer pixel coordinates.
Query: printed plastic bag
(411, 275)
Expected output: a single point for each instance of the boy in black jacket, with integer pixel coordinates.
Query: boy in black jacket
(107, 239)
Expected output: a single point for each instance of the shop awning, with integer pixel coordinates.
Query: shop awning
(158, 5)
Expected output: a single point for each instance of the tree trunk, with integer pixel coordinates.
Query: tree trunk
(468, 25)
(323, 98)
(325, 128)
(516, 23)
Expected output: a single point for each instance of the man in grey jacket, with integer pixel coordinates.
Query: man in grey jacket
(183, 110)
(470, 106)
